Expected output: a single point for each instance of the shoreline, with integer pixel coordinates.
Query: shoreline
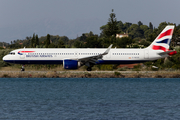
(91, 74)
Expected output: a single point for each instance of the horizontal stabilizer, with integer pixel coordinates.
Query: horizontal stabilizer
(171, 52)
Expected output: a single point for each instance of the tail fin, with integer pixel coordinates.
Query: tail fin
(162, 42)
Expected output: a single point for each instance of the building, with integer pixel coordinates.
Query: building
(121, 35)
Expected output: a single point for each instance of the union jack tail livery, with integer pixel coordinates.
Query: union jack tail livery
(163, 40)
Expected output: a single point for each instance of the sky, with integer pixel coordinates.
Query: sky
(72, 18)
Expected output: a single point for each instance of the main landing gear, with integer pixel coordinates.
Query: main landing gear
(89, 66)
(22, 68)
(89, 69)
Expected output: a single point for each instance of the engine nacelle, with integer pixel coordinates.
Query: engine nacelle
(71, 64)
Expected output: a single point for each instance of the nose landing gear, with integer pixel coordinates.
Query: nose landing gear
(89, 69)
(22, 68)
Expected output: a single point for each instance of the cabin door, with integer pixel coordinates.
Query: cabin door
(146, 54)
(22, 56)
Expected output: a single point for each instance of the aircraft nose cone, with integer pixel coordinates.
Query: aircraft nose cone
(5, 58)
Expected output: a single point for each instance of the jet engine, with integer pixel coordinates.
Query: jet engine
(71, 64)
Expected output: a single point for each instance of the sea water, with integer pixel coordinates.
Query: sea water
(90, 98)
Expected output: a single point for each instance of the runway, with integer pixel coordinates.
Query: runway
(89, 74)
(124, 72)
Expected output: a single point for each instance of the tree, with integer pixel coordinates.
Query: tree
(145, 28)
(112, 28)
(91, 33)
(83, 37)
(140, 23)
(93, 42)
(78, 44)
(121, 26)
(37, 40)
(123, 42)
(153, 35)
(135, 31)
(176, 35)
(47, 41)
(161, 26)
(52, 45)
(103, 28)
(150, 26)
(61, 44)
(65, 39)
(33, 41)
(127, 25)
(145, 43)
(147, 33)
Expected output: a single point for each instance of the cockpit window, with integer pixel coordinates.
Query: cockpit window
(11, 53)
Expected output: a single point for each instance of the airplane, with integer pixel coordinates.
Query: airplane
(73, 58)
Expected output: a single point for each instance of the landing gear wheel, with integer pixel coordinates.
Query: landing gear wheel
(22, 68)
(89, 69)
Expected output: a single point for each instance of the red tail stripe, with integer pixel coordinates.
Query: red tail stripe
(168, 32)
(154, 47)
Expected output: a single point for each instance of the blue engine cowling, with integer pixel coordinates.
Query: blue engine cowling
(70, 64)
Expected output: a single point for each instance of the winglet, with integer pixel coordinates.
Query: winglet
(107, 51)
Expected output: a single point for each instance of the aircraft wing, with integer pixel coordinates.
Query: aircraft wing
(94, 59)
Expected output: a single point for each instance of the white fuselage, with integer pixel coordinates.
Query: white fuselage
(57, 55)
